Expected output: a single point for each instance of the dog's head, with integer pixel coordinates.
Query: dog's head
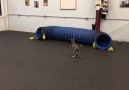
(72, 40)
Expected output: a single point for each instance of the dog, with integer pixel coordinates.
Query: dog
(75, 48)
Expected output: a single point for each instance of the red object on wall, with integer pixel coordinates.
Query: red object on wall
(97, 23)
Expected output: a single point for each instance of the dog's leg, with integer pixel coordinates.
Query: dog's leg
(74, 53)
(79, 54)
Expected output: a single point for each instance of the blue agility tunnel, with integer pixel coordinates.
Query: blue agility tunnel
(100, 39)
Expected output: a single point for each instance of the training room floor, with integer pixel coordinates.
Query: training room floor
(48, 65)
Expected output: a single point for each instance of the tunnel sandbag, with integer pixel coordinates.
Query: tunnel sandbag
(83, 36)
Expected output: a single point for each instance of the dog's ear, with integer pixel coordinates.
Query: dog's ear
(72, 40)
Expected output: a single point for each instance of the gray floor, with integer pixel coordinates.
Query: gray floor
(48, 65)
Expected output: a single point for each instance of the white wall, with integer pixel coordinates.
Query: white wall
(121, 33)
(4, 17)
(116, 28)
(85, 8)
(53, 9)
(2, 24)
